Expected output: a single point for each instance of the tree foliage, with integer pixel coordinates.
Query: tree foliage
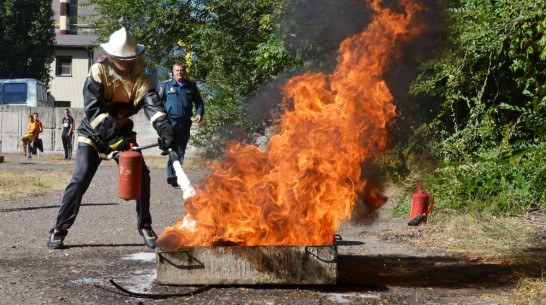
(27, 39)
(236, 50)
(490, 77)
(229, 47)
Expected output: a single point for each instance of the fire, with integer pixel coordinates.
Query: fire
(304, 185)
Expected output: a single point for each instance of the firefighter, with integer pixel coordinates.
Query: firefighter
(115, 89)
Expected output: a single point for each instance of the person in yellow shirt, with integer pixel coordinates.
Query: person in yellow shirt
(29, 136)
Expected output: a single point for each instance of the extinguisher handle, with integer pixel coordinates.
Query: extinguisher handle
(431, 201)
(144, 147)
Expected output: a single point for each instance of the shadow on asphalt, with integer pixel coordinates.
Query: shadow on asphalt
(103, 246)
(379, 272)
(349, 243)
(50, 207)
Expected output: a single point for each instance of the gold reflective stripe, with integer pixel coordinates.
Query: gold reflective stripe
(90, 142)
(156, 116)
(107, 156)
(87, 141)
(99, 119)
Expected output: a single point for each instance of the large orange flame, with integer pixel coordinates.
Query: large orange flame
(304, 185)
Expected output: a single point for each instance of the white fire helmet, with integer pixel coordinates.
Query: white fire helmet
(122, 44)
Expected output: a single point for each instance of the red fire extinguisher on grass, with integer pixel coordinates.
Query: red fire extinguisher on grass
(130, 174)
(419, 206)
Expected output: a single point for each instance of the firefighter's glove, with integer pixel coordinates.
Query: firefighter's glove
(122, 143)
(167, 138)
(123, 138)
(110, 130)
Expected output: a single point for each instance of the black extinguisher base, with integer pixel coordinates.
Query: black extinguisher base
(417, 220)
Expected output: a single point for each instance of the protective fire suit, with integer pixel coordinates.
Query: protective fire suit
(110, 98)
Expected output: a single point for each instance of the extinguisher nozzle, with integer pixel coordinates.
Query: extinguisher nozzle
(417, 220)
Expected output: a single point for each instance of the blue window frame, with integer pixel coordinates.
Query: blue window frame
(15, 93)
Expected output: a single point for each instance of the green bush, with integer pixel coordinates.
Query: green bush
(488, 135)
(492, 185)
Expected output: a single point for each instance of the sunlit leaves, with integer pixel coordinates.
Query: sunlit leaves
(496, 56)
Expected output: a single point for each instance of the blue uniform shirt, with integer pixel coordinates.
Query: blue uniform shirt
(178, 99)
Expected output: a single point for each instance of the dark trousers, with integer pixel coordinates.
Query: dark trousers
(182, 138)
(67, 145)
(87, 163)
(37, 145)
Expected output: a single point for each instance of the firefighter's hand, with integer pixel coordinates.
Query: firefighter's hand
(110, 129)
(122, 143)
(166, 137)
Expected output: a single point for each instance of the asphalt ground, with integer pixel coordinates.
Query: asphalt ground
(104, 244)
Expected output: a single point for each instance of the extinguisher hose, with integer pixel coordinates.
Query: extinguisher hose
(431, 202)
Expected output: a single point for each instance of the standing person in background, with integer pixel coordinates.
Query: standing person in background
(179, 95)
(29, 136)
(37, 143)
(66, 134)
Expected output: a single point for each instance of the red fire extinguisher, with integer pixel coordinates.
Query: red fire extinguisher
(419, 205)
(130, 174)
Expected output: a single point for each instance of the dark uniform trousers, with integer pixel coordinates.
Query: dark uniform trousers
(87, 163)
(182, 137)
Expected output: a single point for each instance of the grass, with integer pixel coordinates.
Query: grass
(488, 236)
(18, 184)
(518, 241)
(531, 291)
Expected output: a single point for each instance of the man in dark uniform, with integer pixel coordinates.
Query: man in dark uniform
(179, 95)
(115, 89)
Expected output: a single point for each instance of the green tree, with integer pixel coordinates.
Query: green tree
(229, 46)
(236, 50)
(489, 77)
(27, 39)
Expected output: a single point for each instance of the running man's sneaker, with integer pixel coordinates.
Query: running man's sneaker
(149, 235)
(56, 240)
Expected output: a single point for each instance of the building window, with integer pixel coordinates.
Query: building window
(62, 104)
(64, 66)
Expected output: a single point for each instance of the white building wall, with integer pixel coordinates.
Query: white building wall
(70, 88)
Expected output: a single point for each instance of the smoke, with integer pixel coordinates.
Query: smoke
(313, 30)
(412, 111)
